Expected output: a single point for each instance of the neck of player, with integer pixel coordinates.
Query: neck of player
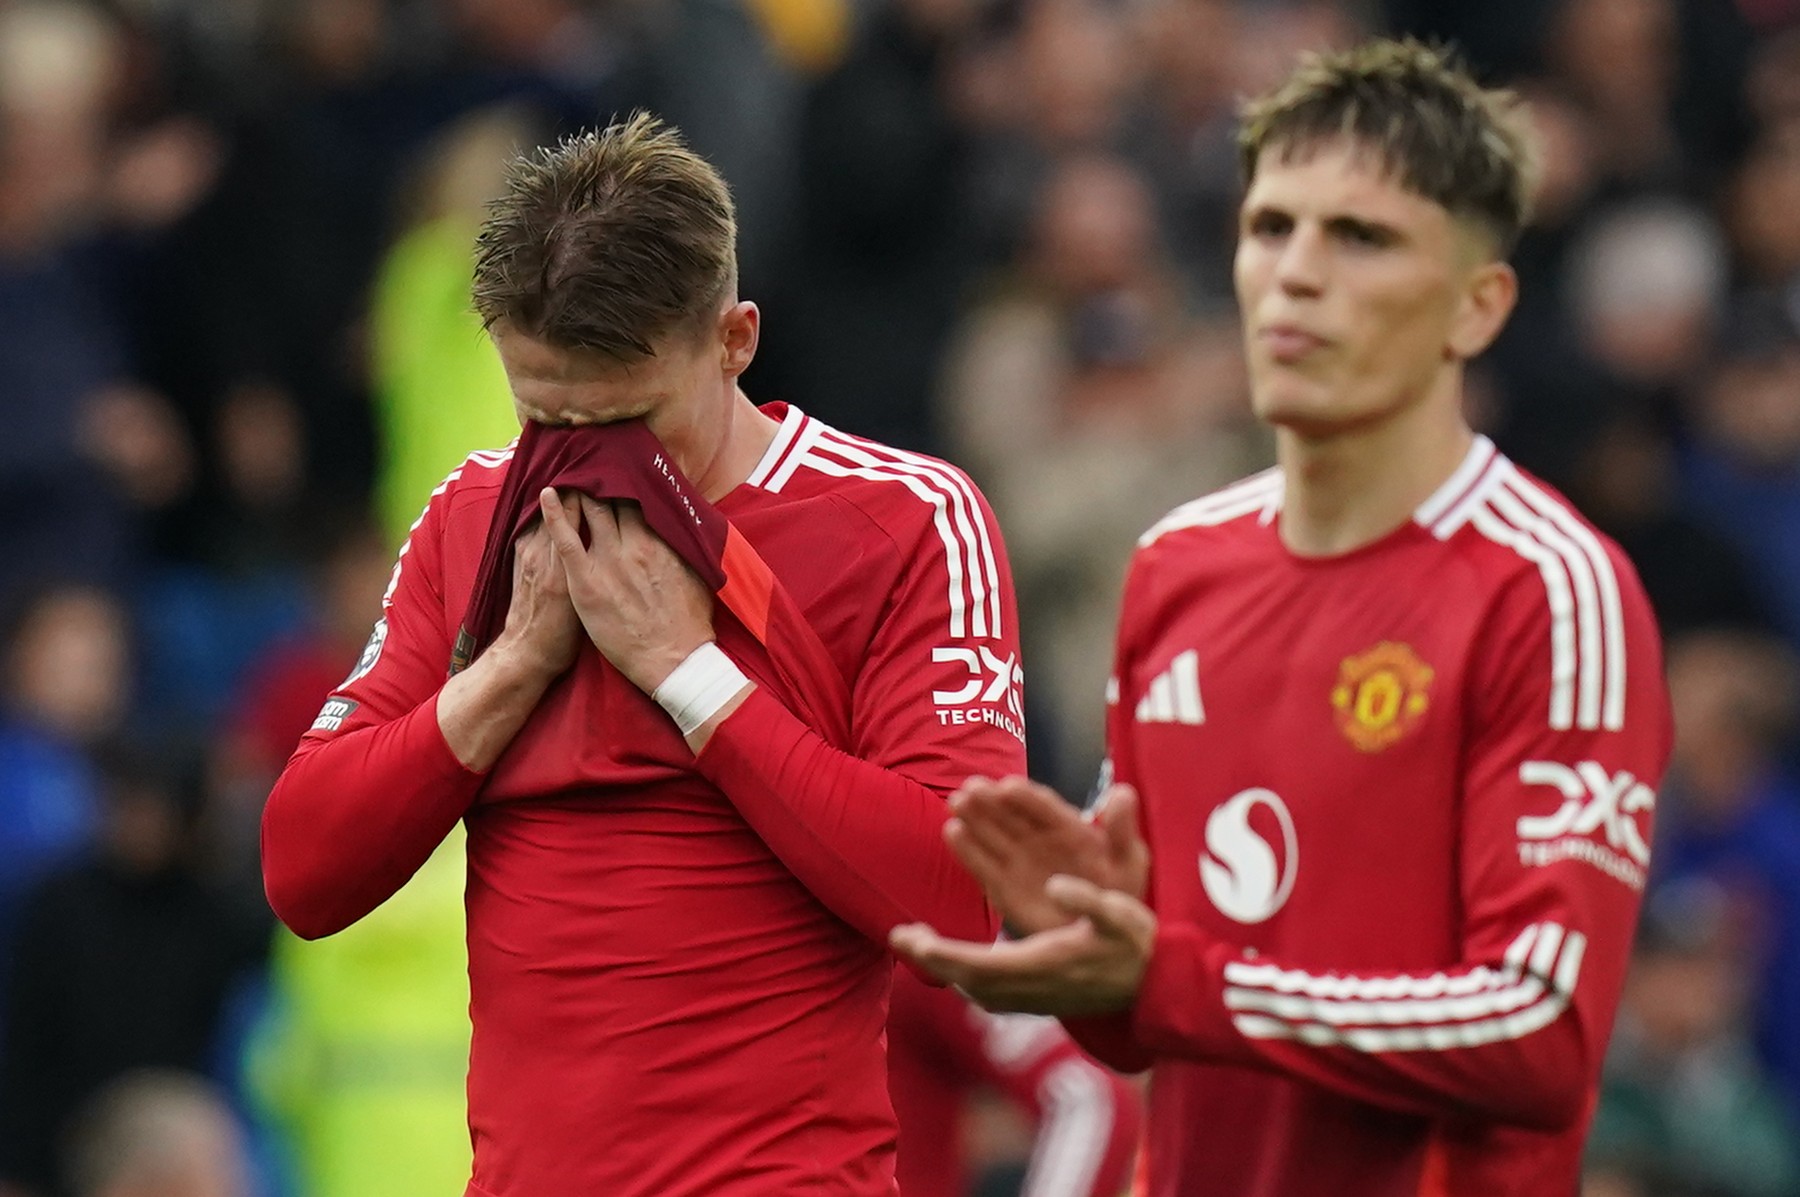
(717, 455)
(1348, 488)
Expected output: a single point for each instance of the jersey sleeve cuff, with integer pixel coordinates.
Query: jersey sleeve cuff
(760, 723)
(1180, 1009)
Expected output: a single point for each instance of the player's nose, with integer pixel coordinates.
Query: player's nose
(1300, 263)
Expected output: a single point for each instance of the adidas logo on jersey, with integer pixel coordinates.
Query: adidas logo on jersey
(1174, 697)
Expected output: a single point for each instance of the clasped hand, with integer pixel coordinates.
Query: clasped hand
(1073, 888)
(638, 601)
(643, 608)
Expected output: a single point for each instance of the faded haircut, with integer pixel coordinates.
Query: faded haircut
(610, 241)
(1419, 112)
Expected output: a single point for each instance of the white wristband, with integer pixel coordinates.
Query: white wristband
(699, 686)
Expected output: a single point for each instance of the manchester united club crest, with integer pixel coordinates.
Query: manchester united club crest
(1381, 695)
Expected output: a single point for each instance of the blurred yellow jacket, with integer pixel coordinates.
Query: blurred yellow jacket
(362, 1060)
(440, 392)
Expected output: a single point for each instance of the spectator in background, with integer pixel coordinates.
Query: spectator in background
(1645, 290)
(80, 444)
(575, 62)
(1643, 287)
(66, 686)
(1730, 812)
(880, 246)
(439, 390)
(1684, 1103)
(1762, 211)
(1087, 401)
(1660, 80)
(122, 962)
(1546, 392)
(1202, 57)
(1071, 82)
(1741, 471)
(283, 689)
(1624, 480)
(361, 1060)
(156, 1134)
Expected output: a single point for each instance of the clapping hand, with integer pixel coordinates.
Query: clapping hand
(1072, 886)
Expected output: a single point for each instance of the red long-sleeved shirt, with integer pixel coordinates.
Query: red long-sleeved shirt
(1399, 802)
(678, 972)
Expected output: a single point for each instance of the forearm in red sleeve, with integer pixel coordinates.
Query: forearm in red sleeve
(1508, 1039)
(867, 841)
(352, 818)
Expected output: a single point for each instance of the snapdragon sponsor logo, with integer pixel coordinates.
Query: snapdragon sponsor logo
(1252, 856)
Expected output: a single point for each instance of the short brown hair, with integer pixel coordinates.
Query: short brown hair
(611, 241)
(1435, 129)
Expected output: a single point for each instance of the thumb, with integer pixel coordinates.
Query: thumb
(1112, 914)
(1127, 854)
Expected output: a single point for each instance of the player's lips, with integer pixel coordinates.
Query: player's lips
(1288, 343)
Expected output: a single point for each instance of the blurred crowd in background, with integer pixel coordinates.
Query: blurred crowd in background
(236, 353)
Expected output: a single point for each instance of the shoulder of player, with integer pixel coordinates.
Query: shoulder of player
(1518, 532)
(908, 495)
(1224, 514)
(1564, 601)
(479, 475)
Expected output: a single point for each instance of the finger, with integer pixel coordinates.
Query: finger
(921, 945)
(997, 818)
(1119, 819)
(983, 864)
(561, 528)
(994, 828)
(643, 543)
(1113, 914)
(631, 518)
(1025, 801)
(974, 784)
(955, 962)
(910, 937)
(603, 524)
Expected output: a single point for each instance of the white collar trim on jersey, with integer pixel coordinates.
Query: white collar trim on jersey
(784, 438)
(1474, 464)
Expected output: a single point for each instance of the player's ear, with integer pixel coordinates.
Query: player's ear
(739, 327)
(1489, 291)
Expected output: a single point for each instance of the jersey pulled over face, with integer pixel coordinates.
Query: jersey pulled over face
(1358, 296)
(1402, 799)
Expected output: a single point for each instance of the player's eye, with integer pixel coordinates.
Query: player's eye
(1362, 236)
(1270, 224)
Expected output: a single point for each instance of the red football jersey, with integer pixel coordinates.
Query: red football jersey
(943, 1050)
(1399, 802)
(677, 968)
